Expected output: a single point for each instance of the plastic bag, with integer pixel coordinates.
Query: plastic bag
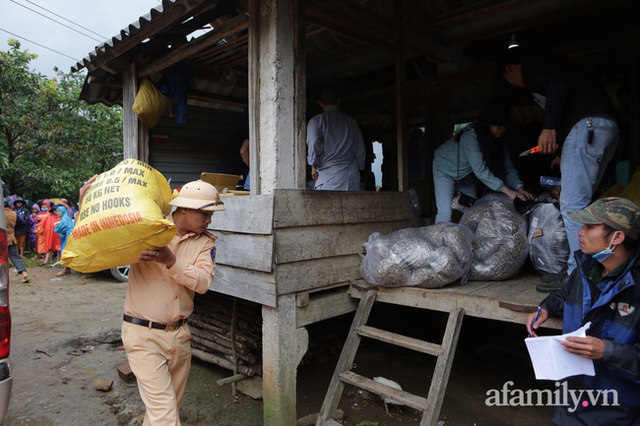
(150, 104)
(548, 246)
(500, 245)
(122, 215)
(429, 257)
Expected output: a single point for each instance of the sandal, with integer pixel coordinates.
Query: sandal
(25, 279)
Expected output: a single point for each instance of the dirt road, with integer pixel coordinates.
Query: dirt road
(66, 335)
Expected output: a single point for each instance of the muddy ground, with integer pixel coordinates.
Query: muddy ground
(66, 336)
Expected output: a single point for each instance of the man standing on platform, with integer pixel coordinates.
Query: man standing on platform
(578, 118)
(336, 151)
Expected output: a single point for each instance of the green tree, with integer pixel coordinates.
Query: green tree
(50, 140)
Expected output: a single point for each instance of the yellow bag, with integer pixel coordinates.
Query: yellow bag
(122, 215)
(150, 104)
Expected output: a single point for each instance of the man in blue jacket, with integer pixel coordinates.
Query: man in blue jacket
(604, 289)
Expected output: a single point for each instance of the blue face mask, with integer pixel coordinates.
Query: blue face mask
(603, 255)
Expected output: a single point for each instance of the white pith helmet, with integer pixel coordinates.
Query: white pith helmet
(198, 195)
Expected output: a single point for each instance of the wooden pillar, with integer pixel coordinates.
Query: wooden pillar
(401, 121)
(254, 91)
(272, 96)
(135, 135)
(430, 207)
(130, 119)
(279, 341)
(300, 91)
(143, 142)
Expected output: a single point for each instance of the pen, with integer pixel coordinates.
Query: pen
(535, 318)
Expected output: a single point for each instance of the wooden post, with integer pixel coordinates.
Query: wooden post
(279, 342)
(254, 95)
(401, 122)
(143, 142)
(273, 87)
(300, 90)
(130, 119)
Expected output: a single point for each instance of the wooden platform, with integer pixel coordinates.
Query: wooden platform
(510, 301)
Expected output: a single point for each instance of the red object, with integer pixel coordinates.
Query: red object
(5, 316)
(532, 151)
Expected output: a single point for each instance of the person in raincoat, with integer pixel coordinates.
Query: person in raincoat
(63, 228)
(48, 241)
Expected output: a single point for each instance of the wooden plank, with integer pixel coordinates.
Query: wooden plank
(251, 214)
(484, 303)
(326, 305)
(399, 340)
(245, 284)
(306, 242)
(307, 208)
(414, 401)
(301, 276)
(248, 251)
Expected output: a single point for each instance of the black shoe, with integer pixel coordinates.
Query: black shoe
(549, 278)
(553, 286)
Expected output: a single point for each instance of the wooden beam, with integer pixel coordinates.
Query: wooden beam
(209, 55)
(229, 28)
(362, 25)
(199, 95)
(477, 22)
(336, 22)
(177, 13)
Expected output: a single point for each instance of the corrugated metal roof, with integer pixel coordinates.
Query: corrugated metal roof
(130, 30)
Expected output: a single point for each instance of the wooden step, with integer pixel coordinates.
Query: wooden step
(405, 398)
(400, 340)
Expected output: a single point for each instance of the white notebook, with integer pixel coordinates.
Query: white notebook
(552, 362)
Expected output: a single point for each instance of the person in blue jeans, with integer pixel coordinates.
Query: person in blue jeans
(11, 220)
(479, 152)
(579, 118)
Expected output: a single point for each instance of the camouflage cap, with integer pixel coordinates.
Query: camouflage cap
(618, 213)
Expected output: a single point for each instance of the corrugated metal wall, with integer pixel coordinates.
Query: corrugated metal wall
(182, 152)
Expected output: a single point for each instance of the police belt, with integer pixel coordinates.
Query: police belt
(150, 324)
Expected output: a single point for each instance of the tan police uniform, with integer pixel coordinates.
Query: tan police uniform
(161, 358)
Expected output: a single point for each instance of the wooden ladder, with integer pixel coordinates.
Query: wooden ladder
(430, 406)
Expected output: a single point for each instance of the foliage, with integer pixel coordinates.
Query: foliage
(50, 141)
